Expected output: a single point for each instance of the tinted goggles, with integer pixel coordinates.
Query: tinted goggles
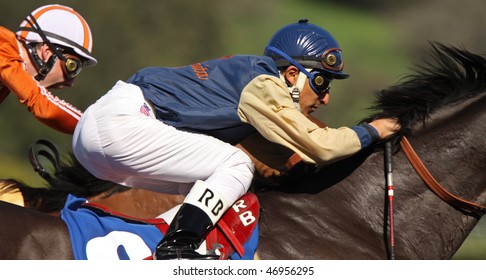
(321, 83)
(71, 67)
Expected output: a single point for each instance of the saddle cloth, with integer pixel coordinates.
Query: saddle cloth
(100, 234)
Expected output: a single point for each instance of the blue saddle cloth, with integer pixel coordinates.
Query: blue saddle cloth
(101, 236)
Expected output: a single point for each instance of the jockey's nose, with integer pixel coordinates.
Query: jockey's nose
(325, 99)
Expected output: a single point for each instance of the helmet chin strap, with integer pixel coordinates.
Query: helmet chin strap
(43, 68)
(297, 88)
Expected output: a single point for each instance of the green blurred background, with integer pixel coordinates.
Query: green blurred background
(381, 40)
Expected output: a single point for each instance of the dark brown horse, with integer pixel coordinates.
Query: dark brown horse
(339, 211)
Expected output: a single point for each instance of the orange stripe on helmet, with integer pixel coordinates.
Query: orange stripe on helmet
(39, 13)
(86, 30)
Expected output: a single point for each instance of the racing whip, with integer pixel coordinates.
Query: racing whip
(389, 183)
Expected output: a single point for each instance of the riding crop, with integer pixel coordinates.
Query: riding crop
(389, 183)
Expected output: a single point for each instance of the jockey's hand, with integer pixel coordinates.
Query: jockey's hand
(386, 127)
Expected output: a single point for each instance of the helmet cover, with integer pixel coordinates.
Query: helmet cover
(62, 26)
(310, 45)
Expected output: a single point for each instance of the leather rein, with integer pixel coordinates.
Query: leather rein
(435, 187)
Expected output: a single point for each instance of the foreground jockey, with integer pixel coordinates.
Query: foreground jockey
(152, 130)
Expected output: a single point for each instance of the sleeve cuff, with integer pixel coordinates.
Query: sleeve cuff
(367, 134)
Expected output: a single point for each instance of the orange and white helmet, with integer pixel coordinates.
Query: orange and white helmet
(62, 26)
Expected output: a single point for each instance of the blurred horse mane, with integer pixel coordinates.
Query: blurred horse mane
(448, 75)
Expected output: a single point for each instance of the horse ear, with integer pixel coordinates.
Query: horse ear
(47, 149)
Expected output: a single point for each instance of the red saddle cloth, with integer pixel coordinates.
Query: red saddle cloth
(235, 227)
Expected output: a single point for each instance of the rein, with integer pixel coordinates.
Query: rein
(464, 205)
(38, 148)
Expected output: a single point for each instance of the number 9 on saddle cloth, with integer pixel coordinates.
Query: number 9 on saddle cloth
(100, 234)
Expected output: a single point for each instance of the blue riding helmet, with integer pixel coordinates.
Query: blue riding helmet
(309, 45)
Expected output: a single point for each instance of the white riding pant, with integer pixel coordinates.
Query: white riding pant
(116, 141)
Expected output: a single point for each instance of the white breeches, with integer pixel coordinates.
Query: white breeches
(116, 141)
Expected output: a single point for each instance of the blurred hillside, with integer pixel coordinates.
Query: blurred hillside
(380, 40)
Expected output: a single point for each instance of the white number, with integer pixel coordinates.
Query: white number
(106, 247)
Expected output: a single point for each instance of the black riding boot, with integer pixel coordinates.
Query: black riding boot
(187, 231)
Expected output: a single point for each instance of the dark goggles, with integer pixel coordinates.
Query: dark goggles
(321, 83)
(71, 67)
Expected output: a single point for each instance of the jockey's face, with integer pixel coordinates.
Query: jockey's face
(309, 101)
(56, 78)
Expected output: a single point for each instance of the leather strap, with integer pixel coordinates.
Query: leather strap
(292, 161)
(440, 191)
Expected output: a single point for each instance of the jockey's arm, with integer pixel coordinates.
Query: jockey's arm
(266, 105)
(266, 171)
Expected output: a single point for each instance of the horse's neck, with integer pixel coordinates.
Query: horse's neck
(452, 146)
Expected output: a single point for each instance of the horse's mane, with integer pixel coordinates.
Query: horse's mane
(70, 177)
(449, 74)
(73, 178)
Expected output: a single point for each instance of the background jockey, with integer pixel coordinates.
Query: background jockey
(152, 130)
(51, 47)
